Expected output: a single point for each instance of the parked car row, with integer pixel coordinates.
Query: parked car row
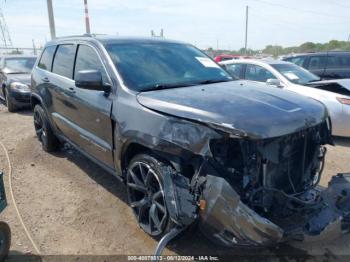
(242, 158)
(220, 58)
(327, 65)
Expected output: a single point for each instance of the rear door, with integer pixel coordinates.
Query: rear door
(41, 75)
(91, 115)
(317, 64)
(61, 85)
(338, 66)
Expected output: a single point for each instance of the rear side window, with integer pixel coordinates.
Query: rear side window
(46, 58)
(258, 73)
(234, 70)
(338, 62)
(317, 62)
(297, 60)
(64, 61)
(87, 59)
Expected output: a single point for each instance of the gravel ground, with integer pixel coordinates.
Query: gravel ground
(72, 207)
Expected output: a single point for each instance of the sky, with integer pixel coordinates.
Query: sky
(204, 23)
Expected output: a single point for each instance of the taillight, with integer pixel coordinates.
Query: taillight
(344, 101)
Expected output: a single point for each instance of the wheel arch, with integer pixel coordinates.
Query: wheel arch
(35, 100)
(181, 164)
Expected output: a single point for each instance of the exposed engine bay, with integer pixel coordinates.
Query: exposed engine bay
(263, 191)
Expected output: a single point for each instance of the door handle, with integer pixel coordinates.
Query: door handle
(45, 79)
(71, 89)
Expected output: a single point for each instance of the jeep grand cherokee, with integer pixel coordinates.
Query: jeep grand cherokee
(190, 144)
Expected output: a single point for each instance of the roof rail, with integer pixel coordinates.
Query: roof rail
(69, 36)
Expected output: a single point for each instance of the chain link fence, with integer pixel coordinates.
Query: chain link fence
(19, 51)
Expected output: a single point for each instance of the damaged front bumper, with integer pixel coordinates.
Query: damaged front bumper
(226, 220)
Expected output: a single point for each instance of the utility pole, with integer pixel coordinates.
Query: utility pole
(34, 48)
(87, 20)
(246, 30)
(51, 19)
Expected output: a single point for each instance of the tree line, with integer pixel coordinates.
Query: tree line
(277, 50)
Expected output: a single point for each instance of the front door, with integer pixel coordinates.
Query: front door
(92, 110)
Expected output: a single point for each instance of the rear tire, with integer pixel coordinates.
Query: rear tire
(144, 182)
(10, 105)
(43, 130)
(5, 240)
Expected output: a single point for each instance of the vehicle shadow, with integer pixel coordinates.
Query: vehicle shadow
(17, 256)
(341, 141)
(98, 174)
(26, 111)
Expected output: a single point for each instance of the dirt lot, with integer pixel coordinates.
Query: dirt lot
(72, 207)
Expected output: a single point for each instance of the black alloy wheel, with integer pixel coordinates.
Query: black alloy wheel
(43, 130)
(146, 197)
(39, 126)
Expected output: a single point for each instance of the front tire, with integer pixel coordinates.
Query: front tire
(43, 130)
(5, 240)
(144, 182)
(10, 105)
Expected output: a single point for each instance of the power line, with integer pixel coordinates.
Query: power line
(280, 22)
(341, 5)
(5, 35)
(300, 10)
(246, 30)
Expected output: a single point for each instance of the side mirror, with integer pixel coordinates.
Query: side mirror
(91, 80)
(273, 82)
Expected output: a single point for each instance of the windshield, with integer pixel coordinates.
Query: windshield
(19, 64)
(150, 66)
(295, 74)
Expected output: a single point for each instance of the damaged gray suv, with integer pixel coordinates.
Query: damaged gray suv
(192, 145)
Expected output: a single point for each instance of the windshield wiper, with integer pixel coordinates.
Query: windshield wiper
(175, 85)
(213, 81)
(166, 86)
(18, 72)
(315, 80)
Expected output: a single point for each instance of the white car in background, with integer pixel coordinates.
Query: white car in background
(335, 94)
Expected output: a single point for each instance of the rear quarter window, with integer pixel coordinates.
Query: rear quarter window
(317, 62)
(64, 60)
(297, 60)
(340, 61)
(46, 58)
(234, 70)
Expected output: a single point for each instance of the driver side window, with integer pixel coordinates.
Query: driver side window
(258, 73)
(87, 59)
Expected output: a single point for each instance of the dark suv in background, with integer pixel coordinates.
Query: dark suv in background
(15, 73)
(327, 65)
(190, 144)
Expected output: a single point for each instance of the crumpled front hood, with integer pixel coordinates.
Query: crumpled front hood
(253, 109)
(22, 78)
